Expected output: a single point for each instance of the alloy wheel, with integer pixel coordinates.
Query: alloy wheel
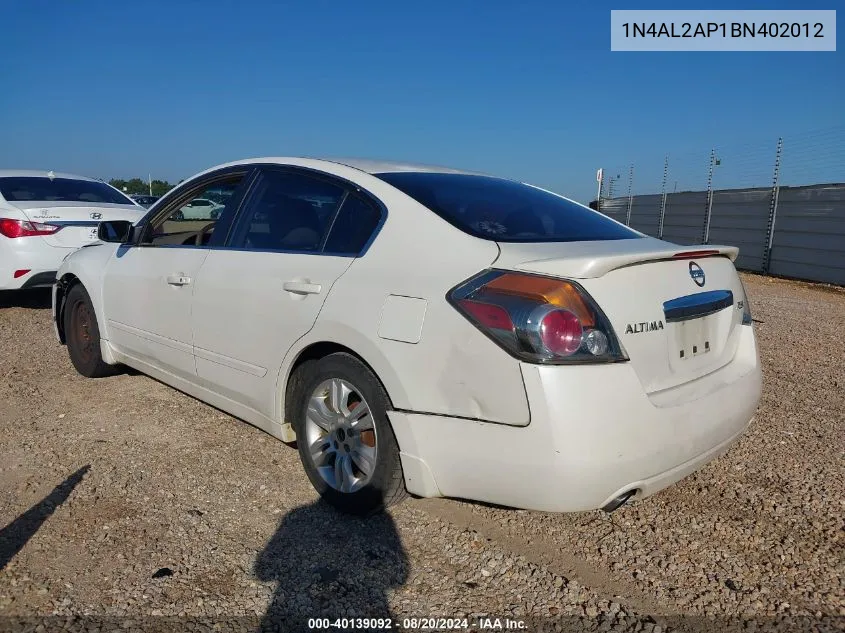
(340, 435)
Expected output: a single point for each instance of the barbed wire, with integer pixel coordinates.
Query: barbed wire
(815, 156)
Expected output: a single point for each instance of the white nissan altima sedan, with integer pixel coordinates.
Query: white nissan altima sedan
(427, 330)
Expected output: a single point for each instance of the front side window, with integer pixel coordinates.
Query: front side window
(192, 220)
(44, 189)
(504, 210)
(288, 212)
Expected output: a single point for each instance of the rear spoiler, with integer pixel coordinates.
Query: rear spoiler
(595, 259)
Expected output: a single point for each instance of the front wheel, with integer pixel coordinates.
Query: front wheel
(345, 441)
(82, 334)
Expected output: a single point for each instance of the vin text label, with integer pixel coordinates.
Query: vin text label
(671, 30)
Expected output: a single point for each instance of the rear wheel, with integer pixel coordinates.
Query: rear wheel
(82, 334)
(345, 441)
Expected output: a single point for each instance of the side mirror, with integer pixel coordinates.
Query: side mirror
(116, 231)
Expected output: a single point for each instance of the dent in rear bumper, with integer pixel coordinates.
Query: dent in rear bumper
(593, 434)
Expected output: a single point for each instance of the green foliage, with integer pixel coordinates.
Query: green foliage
(137, 185)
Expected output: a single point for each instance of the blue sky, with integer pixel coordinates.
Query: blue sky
(528, 90)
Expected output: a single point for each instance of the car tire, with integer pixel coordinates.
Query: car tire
(368, 478)
(82, 334)
(177, 216)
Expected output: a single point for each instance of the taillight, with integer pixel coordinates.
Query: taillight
(22, 228)
(536, 318)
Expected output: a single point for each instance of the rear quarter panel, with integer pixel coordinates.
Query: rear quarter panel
(445, 365)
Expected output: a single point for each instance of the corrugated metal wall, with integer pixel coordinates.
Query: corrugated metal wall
(739, 218)
(807, 231)
(684, 219)
(809, 235)
(645, 213)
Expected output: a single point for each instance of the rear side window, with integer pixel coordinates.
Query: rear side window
(504, 210)
(355, 223)
(43, 189)
(287, 212)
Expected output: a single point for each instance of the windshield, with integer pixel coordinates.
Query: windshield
(505, 210)
(43, 189)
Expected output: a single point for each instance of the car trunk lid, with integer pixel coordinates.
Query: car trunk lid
(676, 310)
(78, 220)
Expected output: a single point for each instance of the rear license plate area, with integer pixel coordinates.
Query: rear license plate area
(692, 338)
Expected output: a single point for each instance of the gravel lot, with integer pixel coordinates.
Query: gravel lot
(130, 506)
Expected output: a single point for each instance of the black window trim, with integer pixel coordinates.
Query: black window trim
(348, 187)
(228, 221)
(180, 195)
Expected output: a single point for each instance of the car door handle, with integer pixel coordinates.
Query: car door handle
(302, 287)
(178, 280)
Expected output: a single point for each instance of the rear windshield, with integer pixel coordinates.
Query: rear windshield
(504, 210)
(43, 189)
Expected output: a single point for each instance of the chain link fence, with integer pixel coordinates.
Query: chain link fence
(781, 201)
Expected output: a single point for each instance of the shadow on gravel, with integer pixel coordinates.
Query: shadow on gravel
(330, 565)
(35, 298)
(15, 535)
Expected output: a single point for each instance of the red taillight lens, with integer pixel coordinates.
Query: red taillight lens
(561, 332)
(695, 254)
(488, 315)
(537, 318)
(20, 273)
(21, 228)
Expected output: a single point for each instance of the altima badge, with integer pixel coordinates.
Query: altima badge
(645, 326)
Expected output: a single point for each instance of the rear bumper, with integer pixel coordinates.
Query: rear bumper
(594, 434)
(40, 280)
(32, 254)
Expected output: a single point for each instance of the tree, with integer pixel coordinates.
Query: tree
(161, 187)
(140, 186)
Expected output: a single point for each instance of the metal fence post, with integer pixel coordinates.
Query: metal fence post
(663, 198)
(600, 178)
(705, 234)
(630, 196)
(773, 209)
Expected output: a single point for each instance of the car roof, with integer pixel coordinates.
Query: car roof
(41, 173)
(361, 164)
(382, 167)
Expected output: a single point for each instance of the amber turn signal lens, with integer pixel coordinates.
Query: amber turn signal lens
(555, 292)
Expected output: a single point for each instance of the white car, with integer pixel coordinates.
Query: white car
(44, 216)
(438, 332)
(199, 209)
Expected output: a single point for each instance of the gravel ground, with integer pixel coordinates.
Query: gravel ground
(130, 506)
